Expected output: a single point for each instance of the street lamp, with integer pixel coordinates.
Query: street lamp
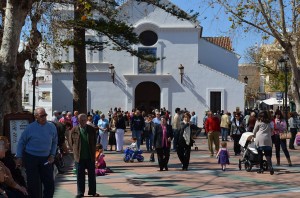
(34, 64)
(112, 72)
(246, 82)
(282, 64)
(181, 72)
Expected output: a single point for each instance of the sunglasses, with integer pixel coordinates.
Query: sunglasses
(44, 115)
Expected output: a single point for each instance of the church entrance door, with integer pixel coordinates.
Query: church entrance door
(147, 96)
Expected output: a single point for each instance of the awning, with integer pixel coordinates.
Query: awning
(274, 101)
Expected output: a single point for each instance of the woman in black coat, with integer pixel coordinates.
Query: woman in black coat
(185, 142)
(163, 135)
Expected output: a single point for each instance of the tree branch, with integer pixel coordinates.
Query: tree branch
(235, 14)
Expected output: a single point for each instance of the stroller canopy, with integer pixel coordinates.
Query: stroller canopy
(245, 137)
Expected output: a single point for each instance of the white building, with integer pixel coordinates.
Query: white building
(210, 71)
(43, 89)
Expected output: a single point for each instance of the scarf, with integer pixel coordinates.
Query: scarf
(165, 138)
(187, 135)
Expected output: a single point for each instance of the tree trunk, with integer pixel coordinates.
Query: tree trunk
(15, 14)
(79, 68)
(295, 71)
(295, 87)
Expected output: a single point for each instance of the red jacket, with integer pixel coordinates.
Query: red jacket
(212, 124)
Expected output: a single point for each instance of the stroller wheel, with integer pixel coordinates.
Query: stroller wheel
(248, 166)
(265, 165)
(140, 159)
(126, 158)
(240, 164)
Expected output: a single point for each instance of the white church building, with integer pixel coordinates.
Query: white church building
(207, 81)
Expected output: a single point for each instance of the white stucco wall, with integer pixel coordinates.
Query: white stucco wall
(138, 13)
(218, 58)
(178, 43)
(192, 94)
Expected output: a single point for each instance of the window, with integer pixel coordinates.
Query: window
(40, 78)
(215, 101)
(148, 38)
(46, 96)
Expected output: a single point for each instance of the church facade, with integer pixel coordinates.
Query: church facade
(192, 72)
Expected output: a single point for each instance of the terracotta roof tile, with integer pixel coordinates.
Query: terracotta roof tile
(224, 42)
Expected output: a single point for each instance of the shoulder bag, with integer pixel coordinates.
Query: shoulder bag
(285, 135)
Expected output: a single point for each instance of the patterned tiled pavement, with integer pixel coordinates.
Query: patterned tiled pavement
(203, 179)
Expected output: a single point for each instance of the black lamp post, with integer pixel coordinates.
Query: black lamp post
(246, 82)
(181, 72)
(112, 72)
(282, 64)
(34, 67)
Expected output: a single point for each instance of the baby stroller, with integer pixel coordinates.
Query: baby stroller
(250, 154)
(128, 153)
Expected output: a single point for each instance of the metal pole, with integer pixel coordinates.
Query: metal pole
(285, 96)
(33, 88)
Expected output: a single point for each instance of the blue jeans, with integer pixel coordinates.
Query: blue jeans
(81, 166)
(138, 135)
(278, 142)
(149, 141)
(37, 172)
(224, 133)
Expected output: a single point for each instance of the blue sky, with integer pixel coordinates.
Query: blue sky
(215, 23)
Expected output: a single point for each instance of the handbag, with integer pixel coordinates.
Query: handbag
(285, 135)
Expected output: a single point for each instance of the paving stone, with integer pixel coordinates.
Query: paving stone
(204, 178)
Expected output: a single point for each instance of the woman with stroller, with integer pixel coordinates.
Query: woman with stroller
(280, 127)
(237, 129)
(263, 141)
(163, 135)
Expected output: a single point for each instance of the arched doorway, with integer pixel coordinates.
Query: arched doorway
(147, 96)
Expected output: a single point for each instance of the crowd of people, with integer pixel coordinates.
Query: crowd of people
(89, 135)
(267, 127)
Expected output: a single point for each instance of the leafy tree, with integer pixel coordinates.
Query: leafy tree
(266, 57)
(18, 15)
(274, 18)
(13, 15)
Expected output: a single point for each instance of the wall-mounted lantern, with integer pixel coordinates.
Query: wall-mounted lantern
(181, 72)
(112, 72)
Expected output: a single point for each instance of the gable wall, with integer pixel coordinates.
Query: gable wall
(218, 58)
